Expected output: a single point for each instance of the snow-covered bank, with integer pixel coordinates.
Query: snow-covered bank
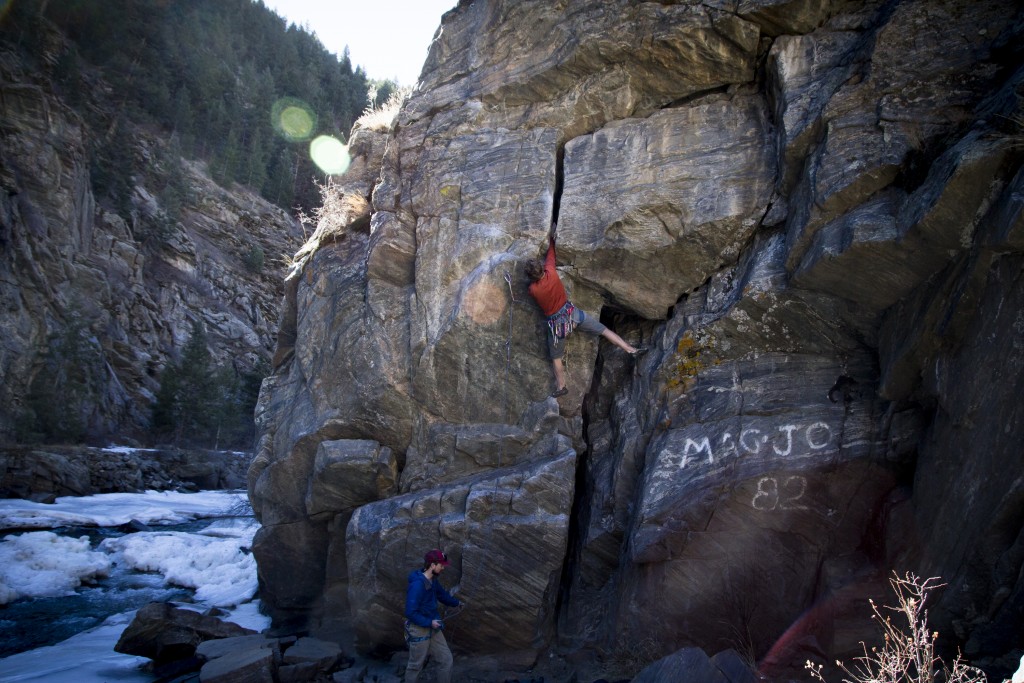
(213, 561)
(89, 657)
(115, 509)
(42, 564)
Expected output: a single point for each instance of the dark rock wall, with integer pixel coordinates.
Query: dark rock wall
(64, 258)
(46, 473)
(809, 211)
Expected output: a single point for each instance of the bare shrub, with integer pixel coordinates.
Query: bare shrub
(240, 507)
(338, 210)
(907, 654)
(380, 118)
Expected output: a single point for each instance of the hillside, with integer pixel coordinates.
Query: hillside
(149, 212)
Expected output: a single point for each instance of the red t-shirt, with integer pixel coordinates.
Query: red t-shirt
(548, 290)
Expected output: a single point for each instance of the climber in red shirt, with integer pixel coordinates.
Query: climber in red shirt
(547, 290)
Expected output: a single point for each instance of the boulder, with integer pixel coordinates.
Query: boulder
(227, 656)
(694, 666)
(320, 654)
(579, 67)
(518, 515)
(297, 551)
(165, 633)
(780, 17)
(352, 675)
(879, 252)
(298, 673)
(452, 452)
(805, 69)
(212, 649)
(350, 473)
(251, 665)
(920, 86)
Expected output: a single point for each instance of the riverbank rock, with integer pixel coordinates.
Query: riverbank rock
(694, 666)
(165, 633)
(45, 472)
(180, 641)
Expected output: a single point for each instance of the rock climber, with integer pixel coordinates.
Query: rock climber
(547, 290)
(423, 624)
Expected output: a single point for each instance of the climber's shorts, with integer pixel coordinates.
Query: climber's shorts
(587, 323)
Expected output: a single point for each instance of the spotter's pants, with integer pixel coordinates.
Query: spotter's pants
(433, 644)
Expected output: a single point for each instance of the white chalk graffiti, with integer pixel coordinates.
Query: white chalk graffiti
(775, 492)
(772, 494)
(819, 426)
(753, 441)
(703, 446)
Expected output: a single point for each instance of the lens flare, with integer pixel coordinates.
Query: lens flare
(330, 154)
(293, 118)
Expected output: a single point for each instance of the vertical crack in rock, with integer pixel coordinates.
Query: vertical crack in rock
(578, 512)
(559, 182)
(572, 546)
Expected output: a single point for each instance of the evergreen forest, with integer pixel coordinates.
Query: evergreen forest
(228, 82)
(212, 74)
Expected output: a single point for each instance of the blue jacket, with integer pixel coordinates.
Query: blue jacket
(421, 599)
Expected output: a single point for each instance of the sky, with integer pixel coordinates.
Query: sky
(39, 563)
(388, 38)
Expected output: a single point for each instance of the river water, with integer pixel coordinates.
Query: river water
(128, 549)
(37, 622)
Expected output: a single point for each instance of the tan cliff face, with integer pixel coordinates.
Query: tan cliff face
(65, 260)
(811, 214)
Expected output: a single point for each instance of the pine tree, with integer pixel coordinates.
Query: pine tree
(113, 167)
(181, 117)
(224, 167)
(280, 185)
(64, 392)
(187, 400)
(200, 404)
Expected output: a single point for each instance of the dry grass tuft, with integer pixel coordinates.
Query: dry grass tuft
(1017, 134)
(380, 120)
(333, 218)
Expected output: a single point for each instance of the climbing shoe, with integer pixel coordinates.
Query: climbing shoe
(561, 392)
(641, 350)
